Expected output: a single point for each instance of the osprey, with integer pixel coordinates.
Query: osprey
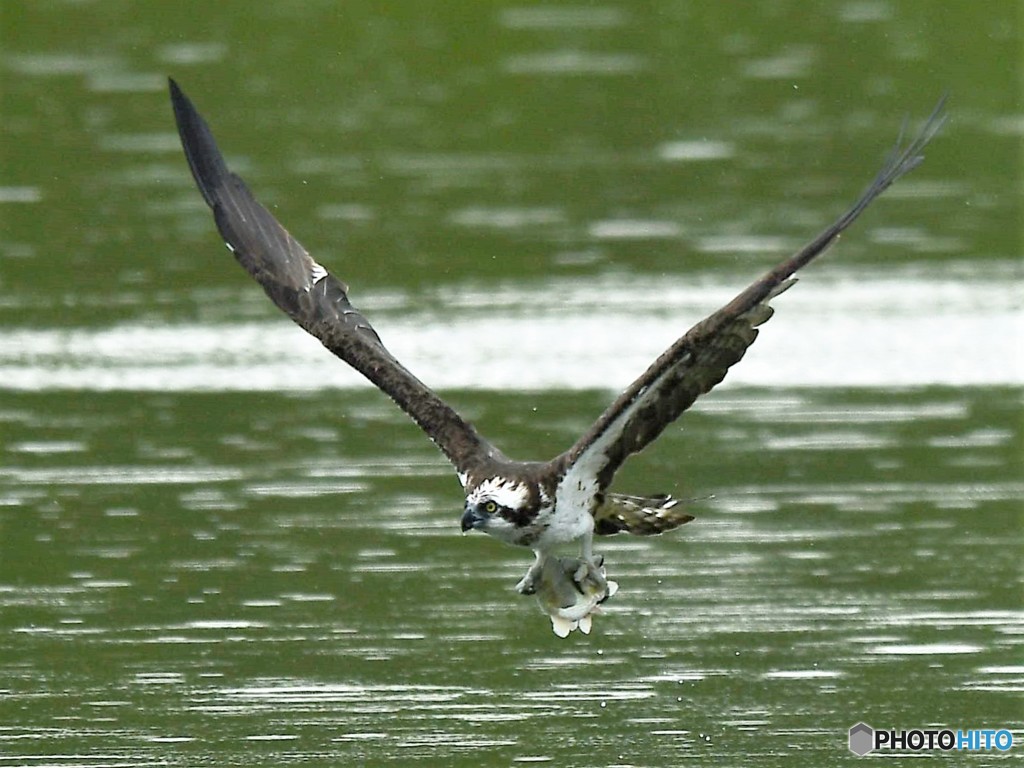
(536, 504)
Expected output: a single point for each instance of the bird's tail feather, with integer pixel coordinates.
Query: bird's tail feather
(639, 515)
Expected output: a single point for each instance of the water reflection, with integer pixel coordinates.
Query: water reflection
(837, 330)
(281, 595)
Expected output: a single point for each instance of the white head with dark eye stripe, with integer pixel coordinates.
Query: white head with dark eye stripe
(498, 506)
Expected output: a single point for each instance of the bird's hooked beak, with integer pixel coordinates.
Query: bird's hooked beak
(472, 518)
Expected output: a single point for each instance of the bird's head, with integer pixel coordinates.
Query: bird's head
(498, 506)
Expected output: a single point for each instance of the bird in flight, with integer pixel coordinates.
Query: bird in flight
(535, 504)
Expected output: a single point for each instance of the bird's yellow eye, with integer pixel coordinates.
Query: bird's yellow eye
(490, 507)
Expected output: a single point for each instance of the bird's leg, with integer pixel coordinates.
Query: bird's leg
(590, 568)
(587, 546)
(528, 584)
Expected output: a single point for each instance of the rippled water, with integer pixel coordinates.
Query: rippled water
(193, 574)
(218, 546)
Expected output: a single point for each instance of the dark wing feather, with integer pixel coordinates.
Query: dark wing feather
(700, 359)
(312, 297)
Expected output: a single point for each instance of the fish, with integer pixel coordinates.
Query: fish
(571, 593)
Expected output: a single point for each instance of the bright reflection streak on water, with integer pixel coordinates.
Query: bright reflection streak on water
(835, 330)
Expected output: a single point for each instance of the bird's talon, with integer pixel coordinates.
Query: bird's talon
(527, 585)
(589, 578)
(580, 576)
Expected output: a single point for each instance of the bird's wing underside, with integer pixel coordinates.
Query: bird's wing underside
(311, 296)
(699, 360)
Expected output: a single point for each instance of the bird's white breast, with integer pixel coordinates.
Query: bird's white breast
(571, 517)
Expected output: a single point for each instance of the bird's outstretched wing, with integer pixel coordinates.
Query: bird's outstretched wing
(700, 359)
(311, 296)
